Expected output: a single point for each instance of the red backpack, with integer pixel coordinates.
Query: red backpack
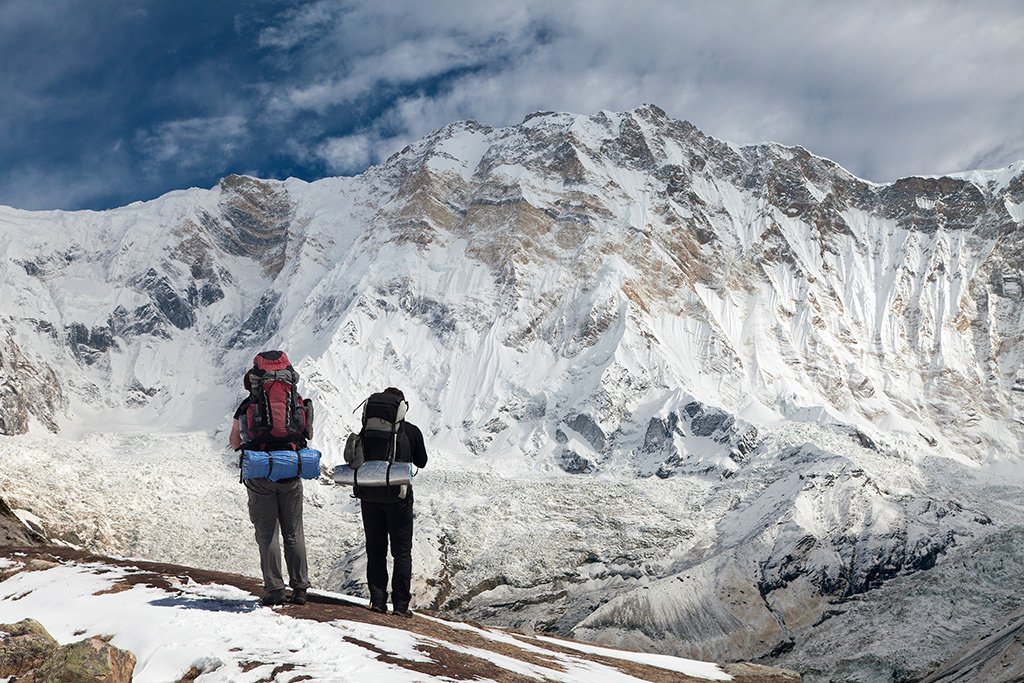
(277, 417)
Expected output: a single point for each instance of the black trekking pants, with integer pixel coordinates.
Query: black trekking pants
(381, 522)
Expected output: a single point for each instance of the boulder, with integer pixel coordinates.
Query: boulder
(93, 660)
(25, 647)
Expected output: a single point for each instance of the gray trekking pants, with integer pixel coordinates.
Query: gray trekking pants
(277, 505)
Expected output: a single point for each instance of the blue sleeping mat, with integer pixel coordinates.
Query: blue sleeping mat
(278, 465)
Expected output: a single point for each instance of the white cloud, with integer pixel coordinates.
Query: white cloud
(885, 89)
(195, 143)
(349, 154)
(406, 62)
(302, 23)
(39, 188)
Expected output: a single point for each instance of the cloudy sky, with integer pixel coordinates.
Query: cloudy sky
(104, 102)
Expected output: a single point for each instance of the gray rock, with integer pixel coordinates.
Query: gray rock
(574, 463)
(585, 426)
(89, 344)
(28, 388)
(13, 531)
(261, 323)
(176, 309)
(144, 319)
(658, 437)
(709, 422)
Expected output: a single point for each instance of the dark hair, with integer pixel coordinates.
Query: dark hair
(396, 392)
(247, 382)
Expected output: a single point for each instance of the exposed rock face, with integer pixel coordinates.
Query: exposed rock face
(254, 220)
(174, 308)
(28, 388)
(32, 655)
(261, 324)
(12, 531)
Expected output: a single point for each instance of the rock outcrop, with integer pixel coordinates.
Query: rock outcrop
(93, 660)
(13, 531)
(29, 388)
(30, 654)
(24, 647)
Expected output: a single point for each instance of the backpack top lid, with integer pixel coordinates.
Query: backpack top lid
(384, 412)
(269, 361)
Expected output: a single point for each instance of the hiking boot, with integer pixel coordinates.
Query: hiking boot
(272, 599)
(379, 609)
(405, 613)
(297, 597)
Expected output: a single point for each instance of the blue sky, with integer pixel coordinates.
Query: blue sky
(106, 102)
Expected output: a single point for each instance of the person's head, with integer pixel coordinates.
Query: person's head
(247, 382)
(395, 391)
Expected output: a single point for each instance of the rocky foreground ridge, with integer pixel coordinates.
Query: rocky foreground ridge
(440, 650)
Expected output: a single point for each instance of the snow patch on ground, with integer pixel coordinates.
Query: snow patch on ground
(223, 632)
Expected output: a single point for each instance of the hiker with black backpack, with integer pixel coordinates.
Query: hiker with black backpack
(387, 509)
(275, 420)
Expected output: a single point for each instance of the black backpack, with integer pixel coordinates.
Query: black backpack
(380, 438)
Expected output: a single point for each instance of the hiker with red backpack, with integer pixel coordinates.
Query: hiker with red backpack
(386, 504)
(271, 428)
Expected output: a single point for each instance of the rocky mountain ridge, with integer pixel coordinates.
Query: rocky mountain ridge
(869, 304)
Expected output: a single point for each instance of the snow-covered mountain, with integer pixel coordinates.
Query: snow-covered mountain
(706, 399)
